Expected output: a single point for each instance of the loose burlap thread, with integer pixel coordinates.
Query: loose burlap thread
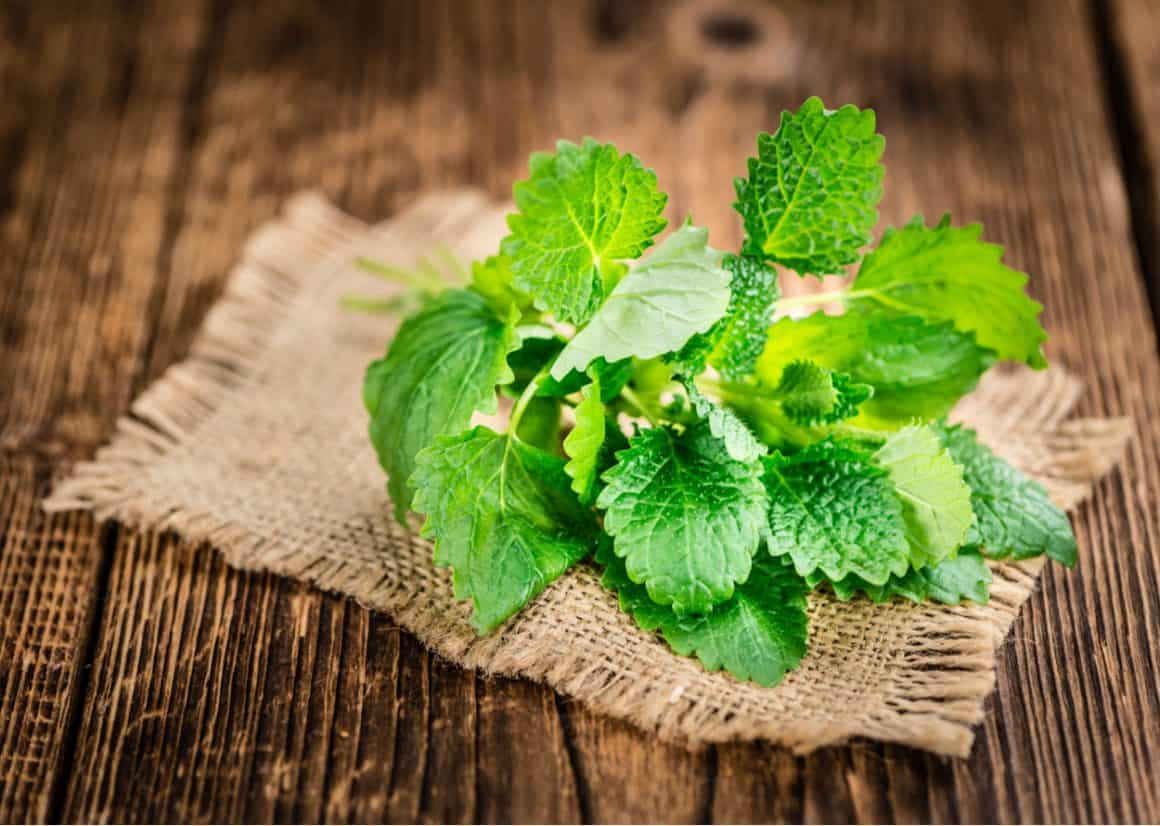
(257, 444)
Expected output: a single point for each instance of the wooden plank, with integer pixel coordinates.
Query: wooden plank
(86, 147)
(260, 699)
(368, 739)
(1130, 31)
(48, 572)
(88, 200)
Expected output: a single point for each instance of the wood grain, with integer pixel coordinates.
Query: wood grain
(1131, 29)
(87, 148)
(216, 695)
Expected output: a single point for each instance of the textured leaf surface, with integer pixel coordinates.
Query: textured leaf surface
(724, 424)
(582, 209)
(1014, 516)
(949, 273)
(965, 576)
(733, 344)
(676, 292)
(686, 519)
(917, 369)
(936, 502)
(759, 634)
(810, 394)
(584, 443)
(831, 510)
(502, 516)
(812, 193)
(442, 366)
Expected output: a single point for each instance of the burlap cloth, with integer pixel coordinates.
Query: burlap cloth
(257, 444)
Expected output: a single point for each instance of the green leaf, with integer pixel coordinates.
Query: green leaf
(735, 436)
(686, 519)
(812, 193)
(936, 502)
(965, 576)
(810, 394)
(442, 366)
(918, 370)
(677, 291)
(1014, 516)
(613, 377)
(947, 273)
(492, 279)
(584, 443)
(832, 510)
(502, 517)
(582, 209)
(533, 355)
(733, 344)
(539, 425)
(759, 634)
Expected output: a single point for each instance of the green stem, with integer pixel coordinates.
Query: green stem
(524, 400)
(417, 279)
(629, 396)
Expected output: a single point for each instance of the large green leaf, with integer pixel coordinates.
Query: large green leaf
(685, 517)
(759, 634)
(442, 366)
(948, 273)
(582, 209)
(832, 510)
(936, 502)
(811, 197)
(1014, 516)
(918, 370)
(676, 292)
(502, 516)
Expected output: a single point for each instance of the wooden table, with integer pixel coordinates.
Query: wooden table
(140, 679)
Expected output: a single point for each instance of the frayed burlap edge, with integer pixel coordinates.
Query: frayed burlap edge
(933, 682)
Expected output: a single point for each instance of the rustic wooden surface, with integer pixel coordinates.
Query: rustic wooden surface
(142, 680)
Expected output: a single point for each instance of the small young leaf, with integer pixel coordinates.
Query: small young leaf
(582, 209)
(832, 510)
(1014, 516)
(947, 273)
(443, 365)
(492, 279)
(583, 445)
(812, 193)
(677, 291)
(502, 516)
(759, 634)
(685, 517)
(737, 438)
(810, 394)
(936, 502)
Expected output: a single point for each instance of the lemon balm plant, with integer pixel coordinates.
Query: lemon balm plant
(718, 466)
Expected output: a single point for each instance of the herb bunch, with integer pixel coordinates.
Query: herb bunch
(718, 465)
